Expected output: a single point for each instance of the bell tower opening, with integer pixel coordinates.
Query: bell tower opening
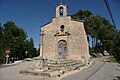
(61, 10)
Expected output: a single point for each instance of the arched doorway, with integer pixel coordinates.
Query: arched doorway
(62, 49)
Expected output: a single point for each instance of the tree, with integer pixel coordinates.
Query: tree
(1, 44)
(15, 39)
(116, 48)
(102, 32)
(31, 51)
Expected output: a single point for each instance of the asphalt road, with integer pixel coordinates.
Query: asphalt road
(4, 66)
(98, 70)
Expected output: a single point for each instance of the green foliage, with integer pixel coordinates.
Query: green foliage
(31, 51)
(104, 36)
(112, 59)
(14, 38)
(116, 49)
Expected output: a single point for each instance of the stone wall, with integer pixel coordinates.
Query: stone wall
(77, 44)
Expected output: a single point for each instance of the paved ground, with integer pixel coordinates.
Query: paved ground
(99, 70)
(11, 72)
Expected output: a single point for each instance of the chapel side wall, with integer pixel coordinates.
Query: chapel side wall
(78, 44)
(48, 42)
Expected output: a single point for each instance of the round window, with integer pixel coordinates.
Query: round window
(62, 26)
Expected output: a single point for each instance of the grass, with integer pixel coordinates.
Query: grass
(112, 59)
(95, 56)
(98, 56)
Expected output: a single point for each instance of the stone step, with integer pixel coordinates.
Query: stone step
(63, 64)
(61, 61)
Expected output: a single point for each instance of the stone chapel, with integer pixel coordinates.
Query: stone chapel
(64, 38)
